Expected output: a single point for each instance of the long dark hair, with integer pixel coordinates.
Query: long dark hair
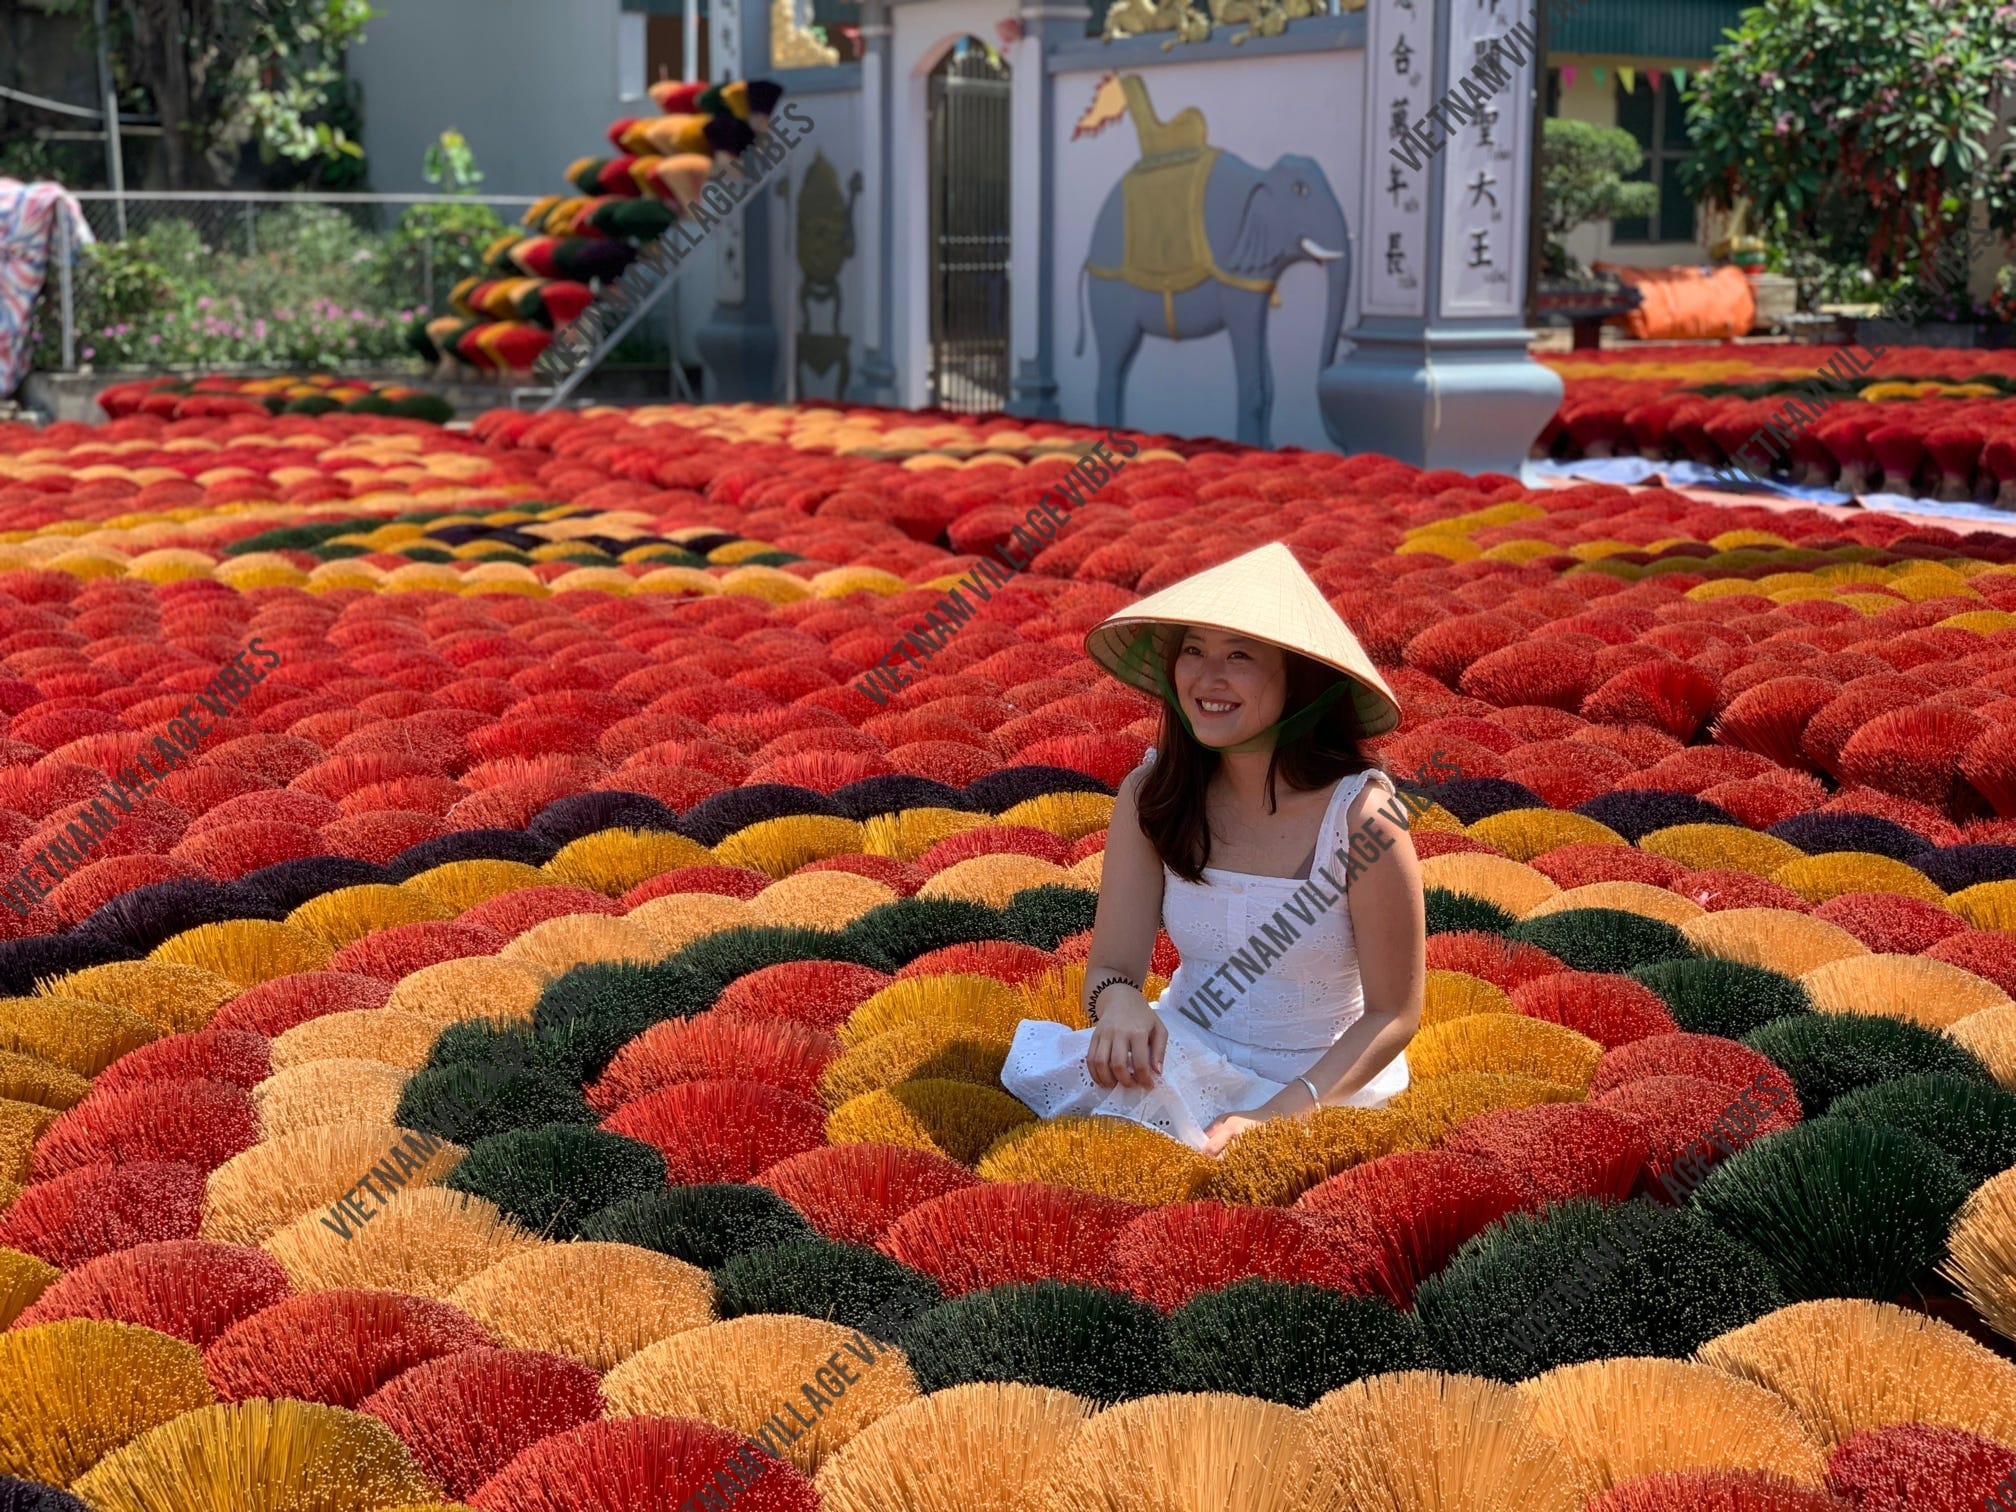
(1171, 798)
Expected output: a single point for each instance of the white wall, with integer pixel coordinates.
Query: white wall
(1308, 103)
(531, 83)
(836, 133)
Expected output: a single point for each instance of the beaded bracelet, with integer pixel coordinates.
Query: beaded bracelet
(1092, 1001)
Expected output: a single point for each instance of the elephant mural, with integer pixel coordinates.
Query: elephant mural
(1192, 241)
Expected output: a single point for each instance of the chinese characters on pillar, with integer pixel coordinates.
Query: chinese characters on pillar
(1400, 56)
(1485, 170)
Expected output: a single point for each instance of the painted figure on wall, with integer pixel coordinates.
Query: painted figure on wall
(825, 243)
(1192, 241)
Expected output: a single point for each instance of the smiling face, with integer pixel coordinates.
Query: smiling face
(1231, 687)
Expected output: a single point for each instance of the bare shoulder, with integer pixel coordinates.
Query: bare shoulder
(1377, 792)
(1382, 812)
(1130, 785)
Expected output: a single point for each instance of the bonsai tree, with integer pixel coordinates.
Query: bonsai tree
(1862, 133)
(1582, 179)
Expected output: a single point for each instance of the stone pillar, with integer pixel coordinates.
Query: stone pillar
(875, 380)
(1046, 24)
(738, 344)
(1438, 374)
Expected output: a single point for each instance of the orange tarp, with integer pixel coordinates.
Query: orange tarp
(1687, 303)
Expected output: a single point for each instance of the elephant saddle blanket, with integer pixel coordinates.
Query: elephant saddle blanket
(1165, 249)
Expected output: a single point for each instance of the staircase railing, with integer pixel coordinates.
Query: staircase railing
(583, 345)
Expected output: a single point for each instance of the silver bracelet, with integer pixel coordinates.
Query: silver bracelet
(1315, 1096)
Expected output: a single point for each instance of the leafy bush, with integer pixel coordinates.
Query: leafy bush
(169, 298)
(1860, 132)
(449, 239)
(458, 235)
(1582, 178)
(119, 288)
(315, 288)
(302, 247)
(27, 159)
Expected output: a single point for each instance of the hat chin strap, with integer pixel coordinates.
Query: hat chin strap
(1141, 656)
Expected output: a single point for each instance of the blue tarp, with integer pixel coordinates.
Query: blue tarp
(1636, 470)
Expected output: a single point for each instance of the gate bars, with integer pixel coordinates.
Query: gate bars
(969, 126)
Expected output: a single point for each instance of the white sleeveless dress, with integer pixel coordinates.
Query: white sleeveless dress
(1275, 1029)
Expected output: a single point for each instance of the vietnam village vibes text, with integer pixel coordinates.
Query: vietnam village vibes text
(69, 851)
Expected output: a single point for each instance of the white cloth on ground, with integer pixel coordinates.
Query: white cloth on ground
(1275, 1029)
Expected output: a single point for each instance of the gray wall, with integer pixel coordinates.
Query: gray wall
(531, 83)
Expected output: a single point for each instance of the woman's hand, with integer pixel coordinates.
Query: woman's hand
(1127, 1042)
(1226, 1129)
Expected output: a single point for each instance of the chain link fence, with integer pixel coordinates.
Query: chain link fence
(222, 280)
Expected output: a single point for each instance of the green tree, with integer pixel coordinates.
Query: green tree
(435, 246)
(1862, 132)
(225, 73)
(450, 164)
(1582, 178)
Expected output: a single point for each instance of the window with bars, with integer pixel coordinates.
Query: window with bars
(1658, 119)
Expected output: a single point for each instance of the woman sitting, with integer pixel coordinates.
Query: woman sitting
(1253, 833)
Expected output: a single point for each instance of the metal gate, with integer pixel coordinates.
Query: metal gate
(969, 229)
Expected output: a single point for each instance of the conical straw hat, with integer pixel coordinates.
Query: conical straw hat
(1264, 594)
